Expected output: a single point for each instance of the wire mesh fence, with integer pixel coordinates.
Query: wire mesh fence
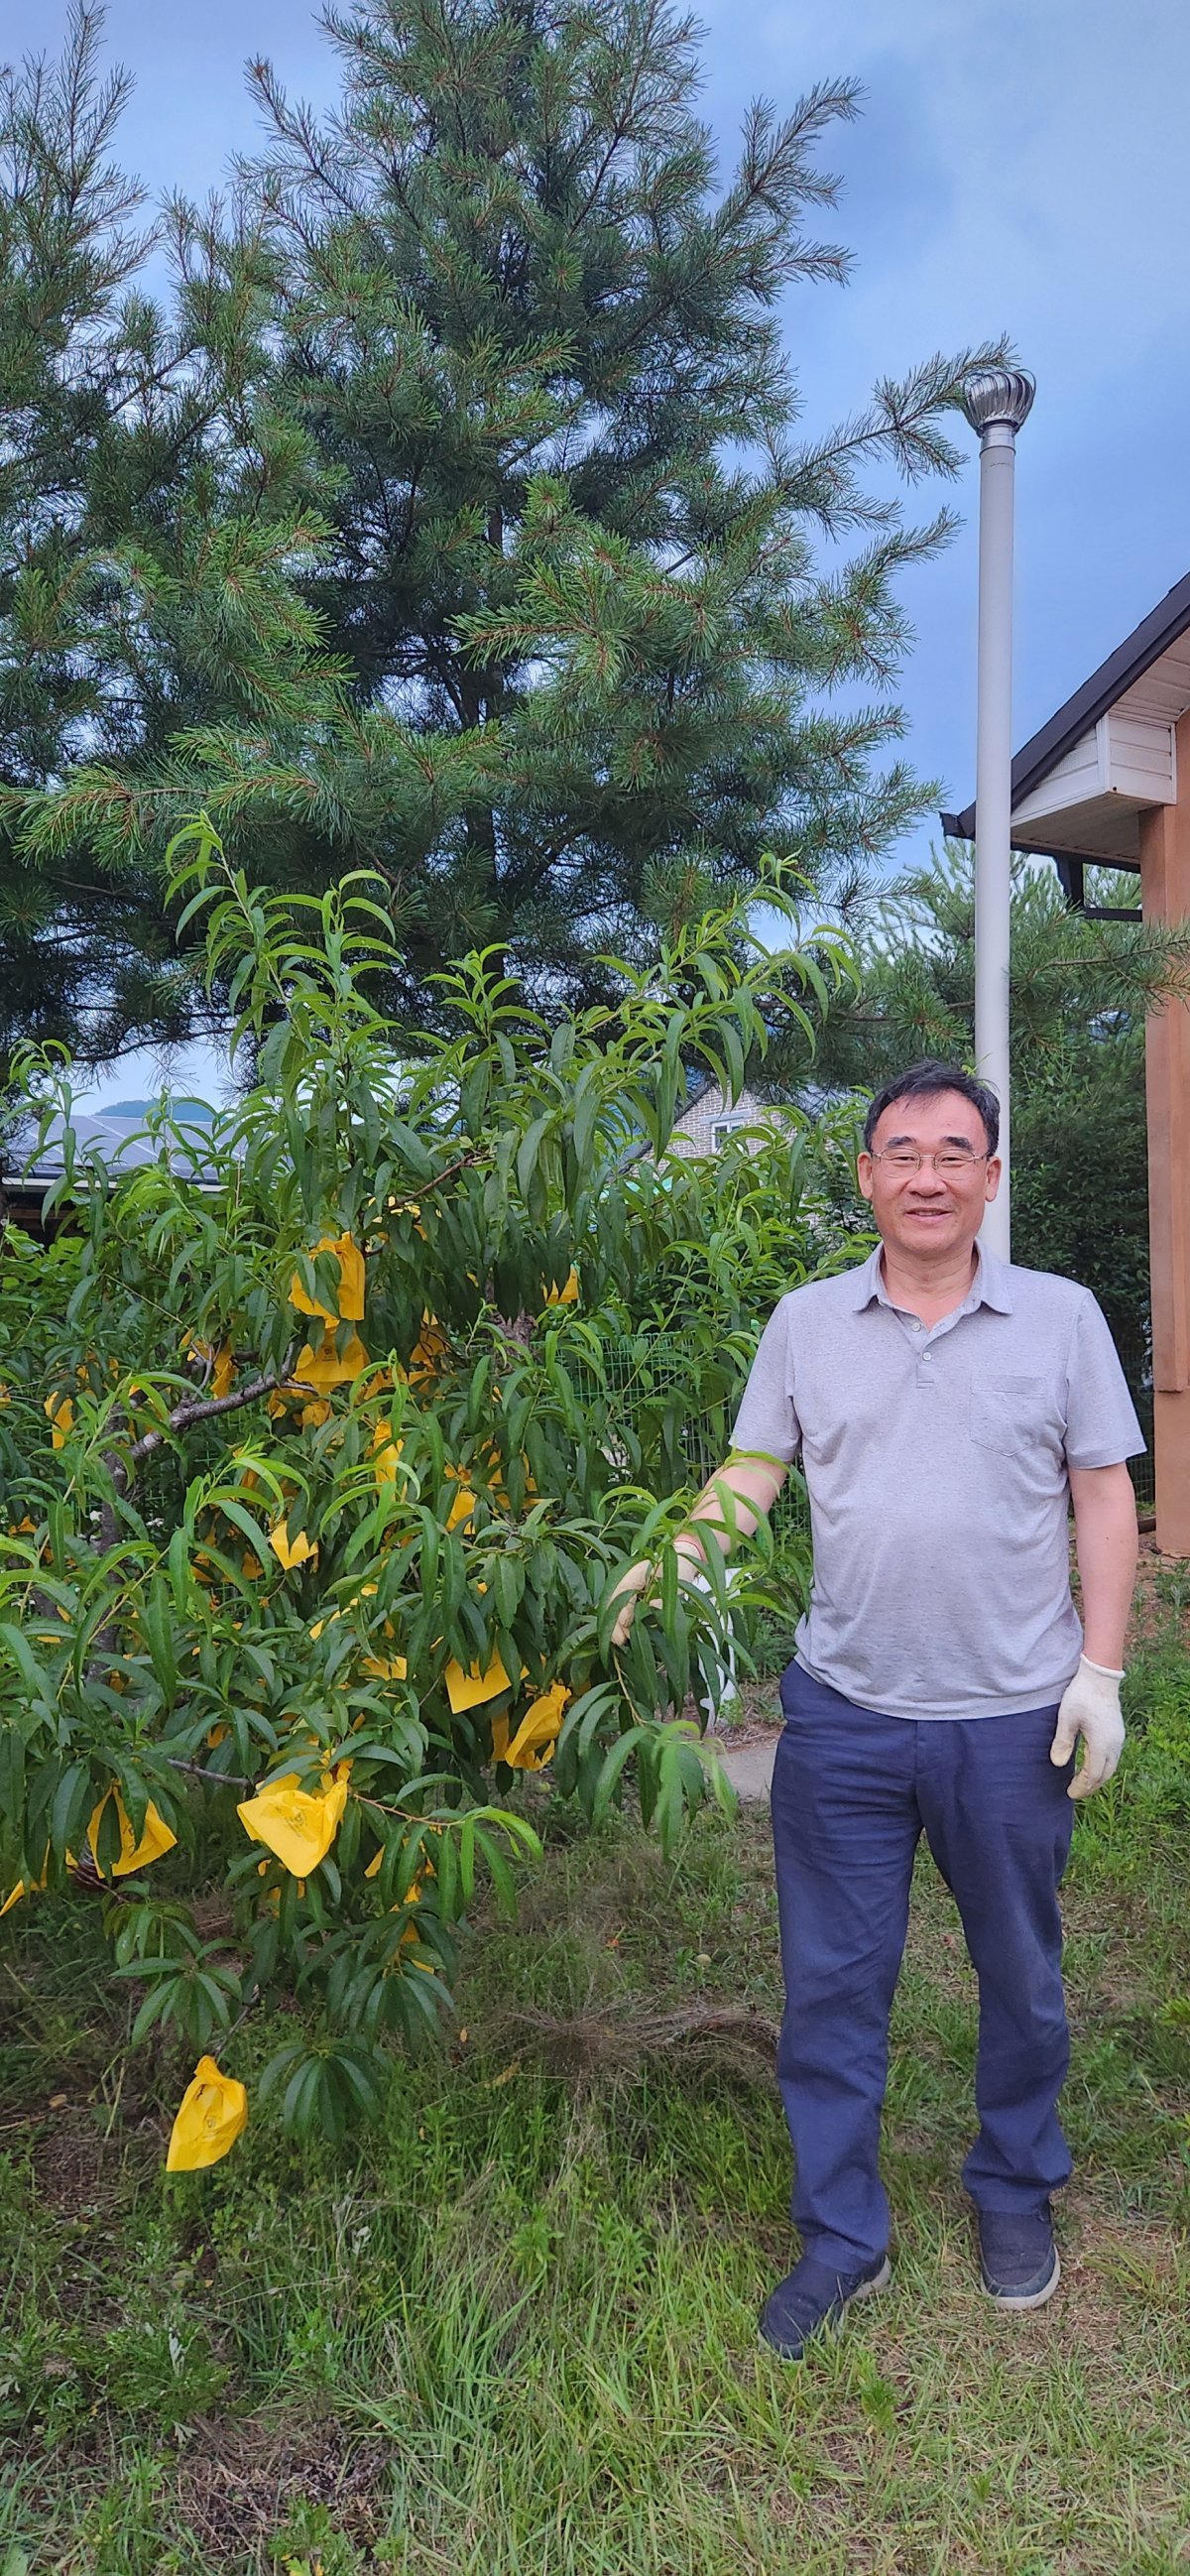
(647, 1370)
(646, 1378)
(1136, 1360)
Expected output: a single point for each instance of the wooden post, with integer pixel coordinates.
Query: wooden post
(1165, 896)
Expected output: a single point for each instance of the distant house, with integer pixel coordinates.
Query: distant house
(707, 1120)
(119, 1133)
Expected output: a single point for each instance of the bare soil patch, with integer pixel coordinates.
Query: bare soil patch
(240, 2479)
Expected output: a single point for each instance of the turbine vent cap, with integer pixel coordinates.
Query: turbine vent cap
(995, 395)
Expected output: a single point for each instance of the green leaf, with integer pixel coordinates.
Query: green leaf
(408, 1144)
(159, 1631)
(498, 1871)
(611, 1769)
(160, 2005)
(25, 1660)
(529, 1149)
(248, 1527)
(71, 1806)
(180, 1575)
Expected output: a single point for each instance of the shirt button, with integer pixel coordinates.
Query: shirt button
(915, 1324)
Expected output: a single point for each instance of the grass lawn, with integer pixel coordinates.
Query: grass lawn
(514, 2331)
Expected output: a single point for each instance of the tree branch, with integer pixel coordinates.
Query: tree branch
(184, 1415)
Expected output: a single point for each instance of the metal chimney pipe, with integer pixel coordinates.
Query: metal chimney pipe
(996, 401)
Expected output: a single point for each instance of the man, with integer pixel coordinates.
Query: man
(946, 1407)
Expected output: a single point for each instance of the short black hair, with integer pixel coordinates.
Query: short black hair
(924, 1081)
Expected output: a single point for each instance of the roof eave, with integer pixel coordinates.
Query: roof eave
(1162, 627)
(961, 827)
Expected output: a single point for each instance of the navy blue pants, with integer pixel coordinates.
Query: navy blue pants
(852, 1793)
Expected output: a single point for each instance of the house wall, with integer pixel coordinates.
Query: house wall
(693, 1131)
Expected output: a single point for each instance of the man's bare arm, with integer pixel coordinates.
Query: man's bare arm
(731, 1505)
(1105, 1532)
(1105, 1536)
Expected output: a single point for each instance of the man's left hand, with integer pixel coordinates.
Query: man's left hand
(1090, 1707)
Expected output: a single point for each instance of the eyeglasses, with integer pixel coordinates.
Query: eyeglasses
(950, 1162)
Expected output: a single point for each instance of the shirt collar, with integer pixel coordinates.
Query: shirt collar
(990, 1286)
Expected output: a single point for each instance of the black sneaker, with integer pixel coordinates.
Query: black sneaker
(1018, 2259)
(813, 2300)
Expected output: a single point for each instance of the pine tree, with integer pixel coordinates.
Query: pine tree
(1080, 992)
(150, 531)
(589, 639)
(574, 572)
(65, 251)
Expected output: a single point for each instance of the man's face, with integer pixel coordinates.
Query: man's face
(928, 1212)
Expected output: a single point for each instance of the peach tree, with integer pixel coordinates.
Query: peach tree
(316, 1479)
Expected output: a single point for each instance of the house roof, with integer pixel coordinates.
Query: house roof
(1144, 686)
(123, 1138)
(119, 1135)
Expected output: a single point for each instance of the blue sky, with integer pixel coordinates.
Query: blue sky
(1016, 167)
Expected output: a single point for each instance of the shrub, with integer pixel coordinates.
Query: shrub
(310, 1553)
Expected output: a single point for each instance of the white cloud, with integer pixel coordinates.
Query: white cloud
(1019, 165)
(1049, 142)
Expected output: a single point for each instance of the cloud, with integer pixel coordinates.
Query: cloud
(1021, 168)
(1031, 158)
(1019, 165)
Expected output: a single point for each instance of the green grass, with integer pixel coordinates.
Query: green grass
(514, 2331)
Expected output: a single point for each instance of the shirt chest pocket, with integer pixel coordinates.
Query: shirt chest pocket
(1008, 1413)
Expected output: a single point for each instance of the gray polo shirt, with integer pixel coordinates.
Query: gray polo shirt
(936, 1464)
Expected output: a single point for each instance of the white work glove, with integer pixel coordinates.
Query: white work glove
(1090, 1707)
